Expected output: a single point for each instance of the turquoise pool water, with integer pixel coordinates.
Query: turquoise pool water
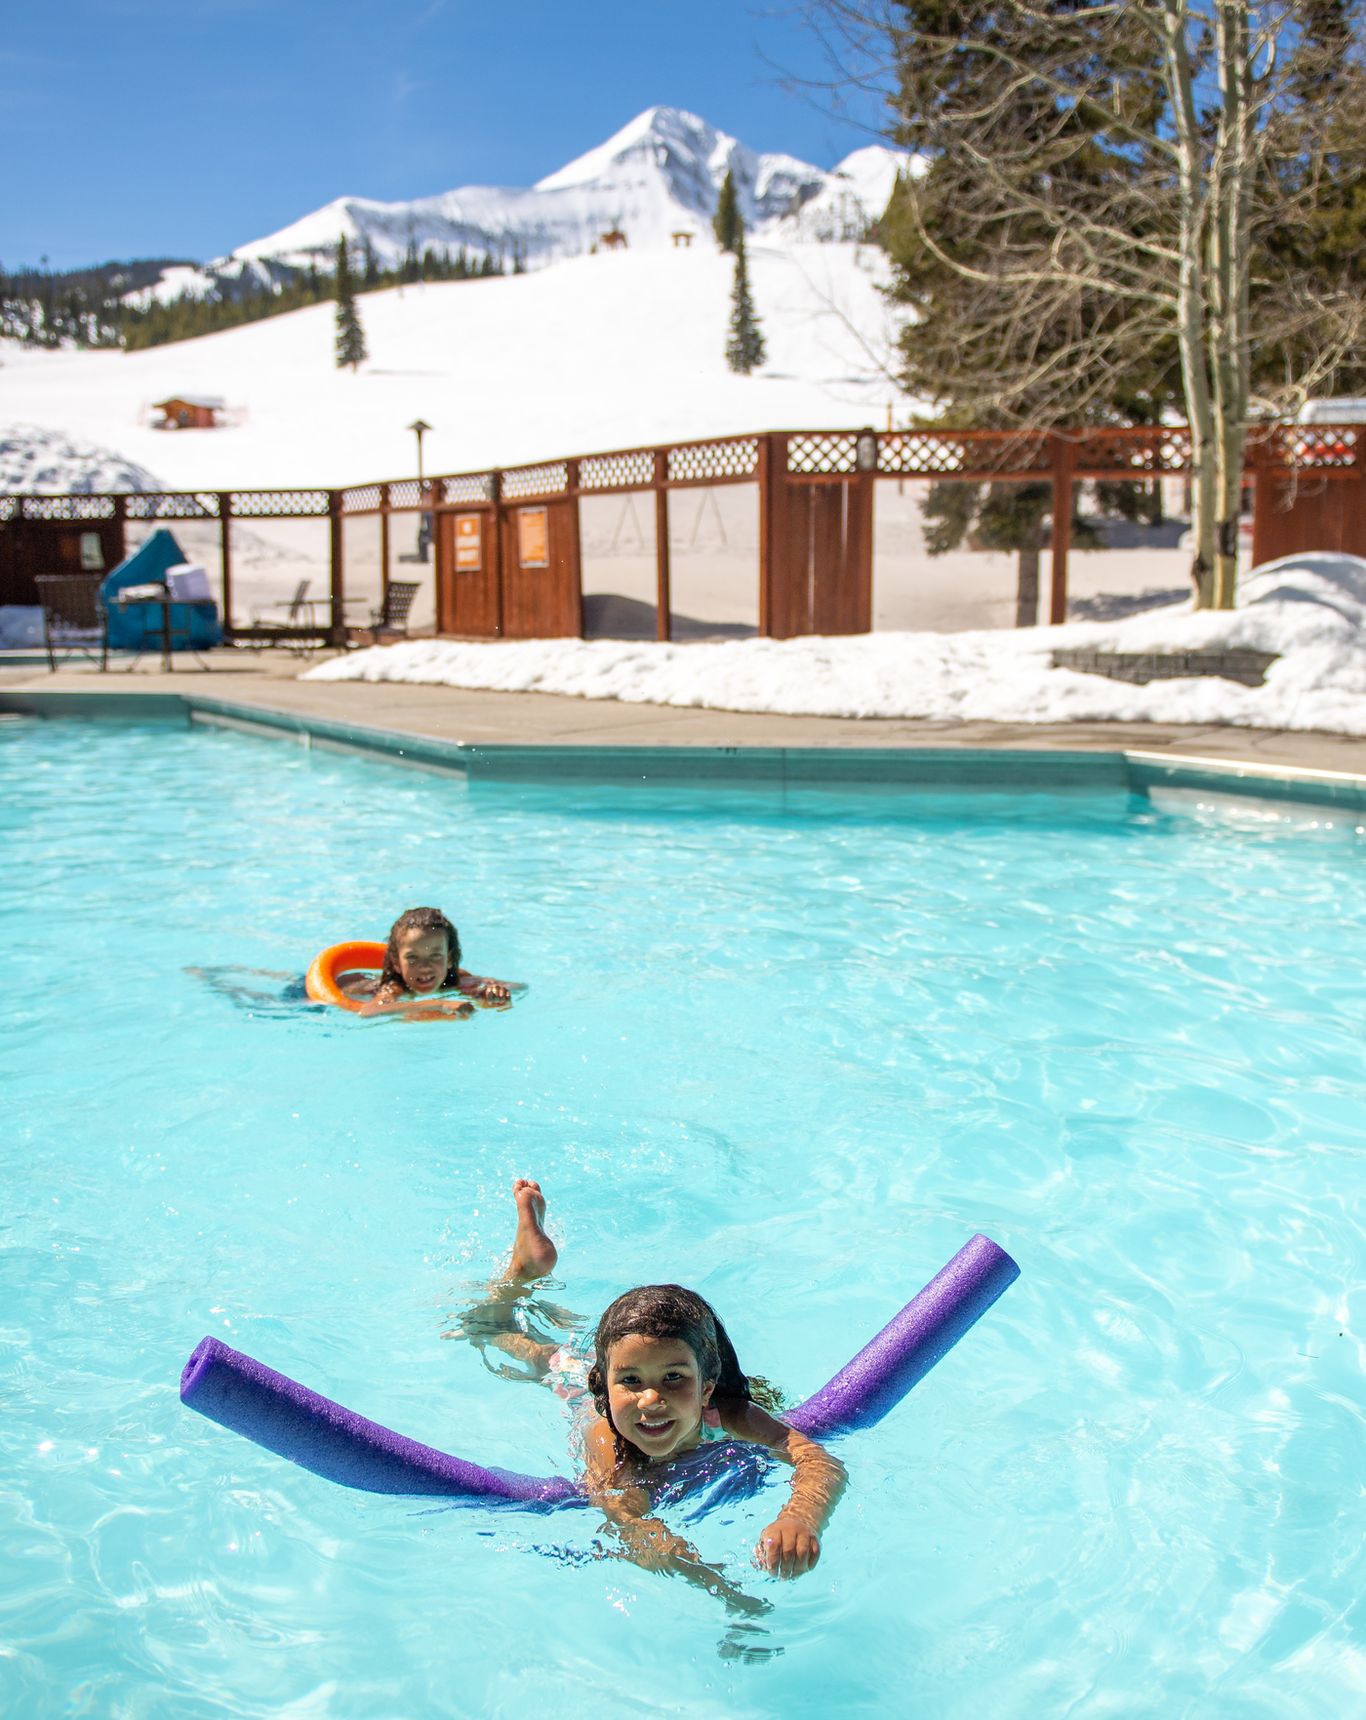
(792, 1058)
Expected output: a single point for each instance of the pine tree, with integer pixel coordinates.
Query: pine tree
(726, 223)
(371, 276)
(350, 336)
(1115, 203)
(745, 347)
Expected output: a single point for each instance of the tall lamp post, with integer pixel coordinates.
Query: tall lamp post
(420, 427)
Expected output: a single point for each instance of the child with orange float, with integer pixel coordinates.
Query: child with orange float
(418, 965)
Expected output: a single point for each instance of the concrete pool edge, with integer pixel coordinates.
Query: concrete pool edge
(943, 768)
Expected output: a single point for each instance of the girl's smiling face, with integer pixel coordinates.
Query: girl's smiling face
(423, 958)
(656, 1394)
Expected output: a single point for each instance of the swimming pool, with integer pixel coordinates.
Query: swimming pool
(794, 1057)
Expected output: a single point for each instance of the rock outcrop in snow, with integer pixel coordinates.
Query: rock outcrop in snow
(35, 461)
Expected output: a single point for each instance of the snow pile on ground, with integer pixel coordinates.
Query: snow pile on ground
(37, 461)
(1311, 609)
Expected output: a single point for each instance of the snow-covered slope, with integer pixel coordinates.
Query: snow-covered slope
(659, 175)
(594, 352)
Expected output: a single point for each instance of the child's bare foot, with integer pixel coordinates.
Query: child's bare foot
(533, 1253)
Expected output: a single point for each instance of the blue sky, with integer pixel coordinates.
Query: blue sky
(135, 128)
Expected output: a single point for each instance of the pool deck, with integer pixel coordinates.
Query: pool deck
(267, 681)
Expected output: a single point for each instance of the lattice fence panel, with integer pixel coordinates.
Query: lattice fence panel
(468, 487)
(409, 493)
(809, 455)
(1321, 448)
(180, 506)
(278, 504)
(1144, 453)
(10, 506)
(548, 480)
(68, 507)
(703, 462)
(932, 454)
(363, 499)
(634, 471)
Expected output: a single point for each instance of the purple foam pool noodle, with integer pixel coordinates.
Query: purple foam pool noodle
(251, 1399)
(907, 1347)
(336, 1443)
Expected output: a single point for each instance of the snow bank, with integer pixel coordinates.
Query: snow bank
(1311, 609)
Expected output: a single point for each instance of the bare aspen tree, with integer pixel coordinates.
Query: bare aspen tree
(1119, 203)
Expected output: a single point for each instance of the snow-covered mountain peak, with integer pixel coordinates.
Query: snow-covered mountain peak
(661, 174)
(654, 134)
(685, 159)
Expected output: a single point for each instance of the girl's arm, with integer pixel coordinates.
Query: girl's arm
(359, 985)
(645, 1540)
(393, 1000)
(486, 990)
(791, 1544)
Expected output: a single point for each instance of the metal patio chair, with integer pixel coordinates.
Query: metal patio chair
(392, 614)
(300, 627)
(75, 621)
(296, 610)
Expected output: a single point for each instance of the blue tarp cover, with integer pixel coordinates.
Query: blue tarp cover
(194, 626)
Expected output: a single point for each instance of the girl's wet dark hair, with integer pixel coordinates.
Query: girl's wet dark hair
(420, 920)
(670, 1311)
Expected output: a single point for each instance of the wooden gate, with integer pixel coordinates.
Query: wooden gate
(510, 571)
(540, 569)
(816, 555)
(467, 601)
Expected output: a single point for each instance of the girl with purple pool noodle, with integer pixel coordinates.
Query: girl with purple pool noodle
(664, 1381)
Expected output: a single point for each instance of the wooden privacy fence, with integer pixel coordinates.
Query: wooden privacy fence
(508, 562)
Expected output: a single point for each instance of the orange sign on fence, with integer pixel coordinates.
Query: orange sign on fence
(469, 543)
(533, 538)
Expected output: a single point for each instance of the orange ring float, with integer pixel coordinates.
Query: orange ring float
(322, 982)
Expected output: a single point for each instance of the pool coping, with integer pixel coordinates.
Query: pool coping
(926, 768)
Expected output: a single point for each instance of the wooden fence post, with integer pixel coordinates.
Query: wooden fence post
(338, 567)
(1064, 464)
(496, 544)
(771, 483)
(225, 555)
(384, 548)
(663, 594)
(121, 521)
(571, 488)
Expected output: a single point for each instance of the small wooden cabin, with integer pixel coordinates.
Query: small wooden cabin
(682, 238)
(614, 240)
(189, 412)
